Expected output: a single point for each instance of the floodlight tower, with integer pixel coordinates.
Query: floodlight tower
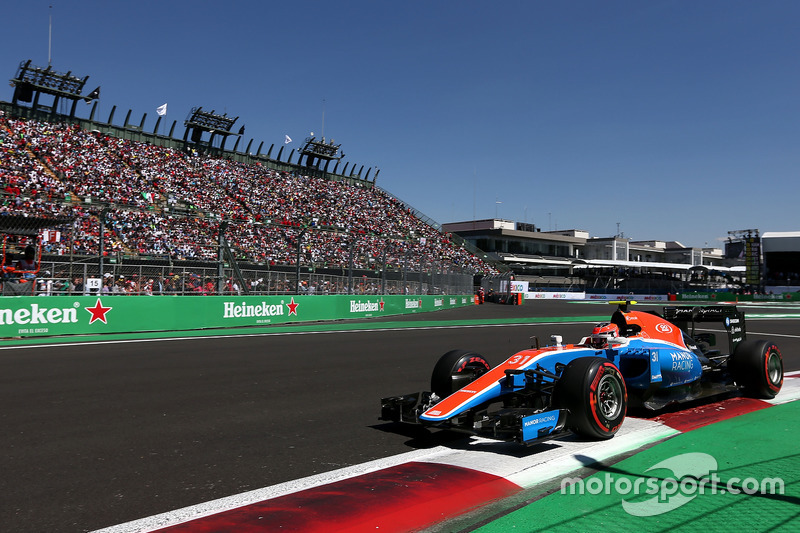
(316, 151)
(200, 121)
(31, 82)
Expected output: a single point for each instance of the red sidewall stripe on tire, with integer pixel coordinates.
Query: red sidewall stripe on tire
(770, 384)
(593, 399)
(406, 497)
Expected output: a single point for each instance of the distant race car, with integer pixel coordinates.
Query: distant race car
(649, 359)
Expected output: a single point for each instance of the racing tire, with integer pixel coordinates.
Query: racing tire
(593, 391)
(457, 369)
(757, 367)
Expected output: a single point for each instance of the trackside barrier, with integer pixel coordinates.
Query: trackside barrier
(637, 297)
(28, 316)
(733, 297)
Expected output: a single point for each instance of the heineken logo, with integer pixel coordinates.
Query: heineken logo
(98, 312)
(245, 310)
(413, 304)
(361, 307)
(36, 314)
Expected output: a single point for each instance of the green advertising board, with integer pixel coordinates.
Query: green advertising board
(27, 316)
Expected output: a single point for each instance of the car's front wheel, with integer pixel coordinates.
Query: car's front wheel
(593, 391)
(457, 369)
(757, 366)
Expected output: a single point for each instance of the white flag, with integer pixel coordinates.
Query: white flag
(287, 140)
(162, 110)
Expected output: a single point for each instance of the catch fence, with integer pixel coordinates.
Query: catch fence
(84, 277)
(84, 252)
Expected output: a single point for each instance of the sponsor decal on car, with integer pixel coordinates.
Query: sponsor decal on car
(541, 422)
(663, 327)
(682, 360)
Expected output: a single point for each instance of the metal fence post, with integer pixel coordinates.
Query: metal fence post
(383, 267)
(297, 261)
(352, 241)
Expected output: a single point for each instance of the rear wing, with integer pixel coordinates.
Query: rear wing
(687, 316)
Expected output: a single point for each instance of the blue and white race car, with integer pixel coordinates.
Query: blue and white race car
(637, 359)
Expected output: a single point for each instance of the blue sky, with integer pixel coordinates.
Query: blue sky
(670, 120)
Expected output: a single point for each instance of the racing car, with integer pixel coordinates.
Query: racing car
(639, 359)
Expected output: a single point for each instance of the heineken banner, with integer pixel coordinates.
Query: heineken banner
(25, 316)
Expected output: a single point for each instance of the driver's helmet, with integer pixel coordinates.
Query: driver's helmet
(602, 332)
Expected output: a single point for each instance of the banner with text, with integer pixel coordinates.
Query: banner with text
(26, 316)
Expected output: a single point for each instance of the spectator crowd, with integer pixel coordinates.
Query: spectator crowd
(157, 201)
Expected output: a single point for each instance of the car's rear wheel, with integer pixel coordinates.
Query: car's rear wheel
(457, 369)
(757, 366)
(593, 391)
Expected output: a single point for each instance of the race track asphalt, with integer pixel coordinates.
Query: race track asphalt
(102, 432)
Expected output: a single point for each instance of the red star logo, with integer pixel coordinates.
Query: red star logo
(98, 312)
(381, 305)
(292, 307)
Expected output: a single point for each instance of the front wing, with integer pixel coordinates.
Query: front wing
(523, 425)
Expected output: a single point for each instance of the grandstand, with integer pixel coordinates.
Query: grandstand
(176, 204)
(153, 214)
